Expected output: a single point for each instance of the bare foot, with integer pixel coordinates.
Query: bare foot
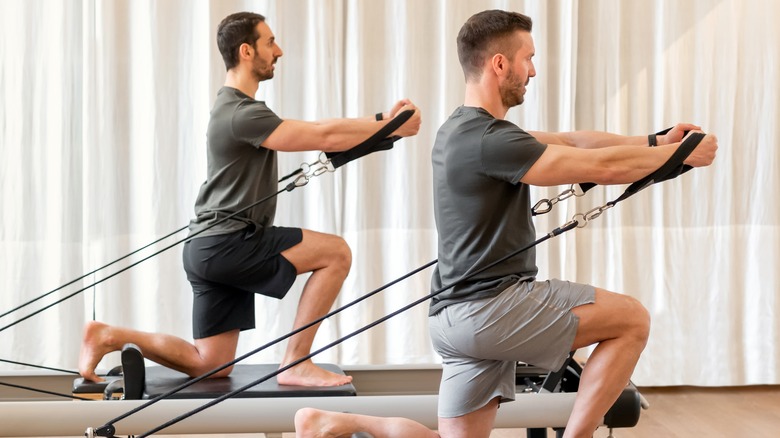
(94, 345)
(313, 423)
(308, 374)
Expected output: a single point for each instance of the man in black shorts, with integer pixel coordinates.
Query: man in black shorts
(483, 166)
(232, 260)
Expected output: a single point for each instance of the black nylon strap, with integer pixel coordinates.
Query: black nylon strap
(673, 167)
(652, 137)
(379, 141)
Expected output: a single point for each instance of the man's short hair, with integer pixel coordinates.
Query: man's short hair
(234, 30)
(485, 34)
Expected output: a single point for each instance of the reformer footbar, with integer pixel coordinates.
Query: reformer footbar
(673, 167)
(327, 162)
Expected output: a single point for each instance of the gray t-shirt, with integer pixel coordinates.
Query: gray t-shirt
(482, 210)
(240, 171)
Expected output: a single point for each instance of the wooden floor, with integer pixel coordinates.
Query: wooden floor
(678, 412)
(685, 412)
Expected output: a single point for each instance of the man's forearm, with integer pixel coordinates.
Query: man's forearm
(597, 139)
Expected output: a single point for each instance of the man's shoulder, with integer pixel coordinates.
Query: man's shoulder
(229, 98)
(466, 123)
(502, 132)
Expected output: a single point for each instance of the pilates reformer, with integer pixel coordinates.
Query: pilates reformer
(544, 400)
(550, 405)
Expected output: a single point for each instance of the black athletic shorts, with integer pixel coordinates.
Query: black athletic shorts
(227, 270)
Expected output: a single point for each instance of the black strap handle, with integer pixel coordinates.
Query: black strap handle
(379, 141)
(671, 169)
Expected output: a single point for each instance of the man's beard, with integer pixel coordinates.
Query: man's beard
(511, 91)
(263, 70)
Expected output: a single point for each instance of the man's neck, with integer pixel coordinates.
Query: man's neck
(242, 82)
(485, 96)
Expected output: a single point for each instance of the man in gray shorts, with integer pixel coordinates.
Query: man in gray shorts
(482, 169)
(228, 262)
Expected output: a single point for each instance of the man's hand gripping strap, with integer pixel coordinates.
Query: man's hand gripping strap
(380, 141)
(673, 167)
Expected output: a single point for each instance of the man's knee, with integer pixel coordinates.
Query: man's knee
(612, 316)
(208, 366)
(639, 320)
(342, 254)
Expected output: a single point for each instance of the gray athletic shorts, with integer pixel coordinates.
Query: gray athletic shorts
(480, 341)
(227, 270)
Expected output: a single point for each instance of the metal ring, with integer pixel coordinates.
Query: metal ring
(580, 224)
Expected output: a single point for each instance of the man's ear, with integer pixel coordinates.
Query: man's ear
(245, 51)
(499, 64)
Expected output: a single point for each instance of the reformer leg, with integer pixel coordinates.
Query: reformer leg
(536, 433)
(554, 382)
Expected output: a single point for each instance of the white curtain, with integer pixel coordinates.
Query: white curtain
(104, 106)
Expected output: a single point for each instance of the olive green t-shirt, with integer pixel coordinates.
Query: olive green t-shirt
(482, 210)
(240, 170)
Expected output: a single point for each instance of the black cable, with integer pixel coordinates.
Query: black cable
(377, 141)
(569, 226)
(40, 366)
(634, 188)
(43, 391)
(271, 343)
(90, 273)
(372, 144)
(289, 187)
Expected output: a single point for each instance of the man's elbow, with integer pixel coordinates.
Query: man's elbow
(330, 140)
(610, 175)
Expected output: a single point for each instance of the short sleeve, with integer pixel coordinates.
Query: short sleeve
(508, 151)
(253, 122)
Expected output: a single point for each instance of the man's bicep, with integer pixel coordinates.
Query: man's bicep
(294, 135)
(559, 165)
(550, 137)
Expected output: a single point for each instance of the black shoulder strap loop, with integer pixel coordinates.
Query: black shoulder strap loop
(379, 141)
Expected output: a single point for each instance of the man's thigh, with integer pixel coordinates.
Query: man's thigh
(316, 251)
(610, 316)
